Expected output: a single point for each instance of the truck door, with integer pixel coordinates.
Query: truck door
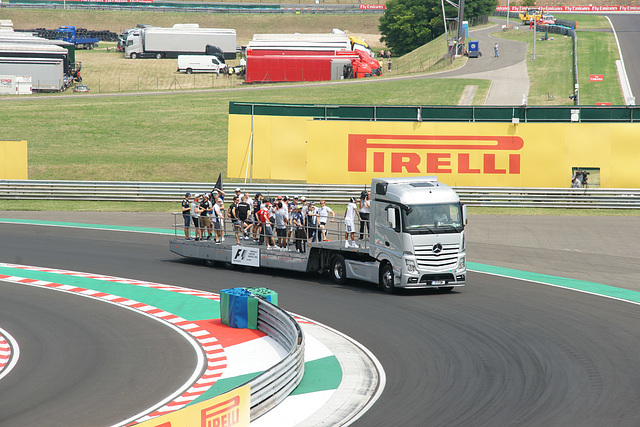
(387, 228)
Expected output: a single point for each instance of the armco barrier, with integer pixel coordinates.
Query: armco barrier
(275, 384)
(583, 198)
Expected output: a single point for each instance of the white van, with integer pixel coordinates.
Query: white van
(200, 64)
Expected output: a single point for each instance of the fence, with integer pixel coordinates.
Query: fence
(275, 384)
(581, 198)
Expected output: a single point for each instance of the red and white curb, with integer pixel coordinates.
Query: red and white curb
(215, 354)
(9, 353)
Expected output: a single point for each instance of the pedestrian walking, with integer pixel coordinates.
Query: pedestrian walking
(495, 50)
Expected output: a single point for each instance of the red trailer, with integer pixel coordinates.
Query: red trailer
(299, 68)
(374, 65)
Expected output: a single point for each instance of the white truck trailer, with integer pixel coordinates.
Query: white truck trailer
(156, 42)
(416, 240)
(47, 65)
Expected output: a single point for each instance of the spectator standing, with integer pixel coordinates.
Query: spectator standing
(297, 220)
(195, 215)
(218, 218)
(265, 223)
(234, 215)
(205, 217)
(257, 226)
(312, 223)
(282, 221)
(323, 215)
(350, 228)
(186, 215)
(365, 210)
(244, 209)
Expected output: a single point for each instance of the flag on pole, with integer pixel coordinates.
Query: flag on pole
(219, 183)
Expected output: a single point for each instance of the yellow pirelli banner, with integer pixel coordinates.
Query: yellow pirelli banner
(227, 410)
(13, 160)
(459, 153)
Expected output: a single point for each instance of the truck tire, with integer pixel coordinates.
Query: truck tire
(158, 56)
(386, 279)
(90, 46)
(338, 270)
(134, 56)
(189, 71)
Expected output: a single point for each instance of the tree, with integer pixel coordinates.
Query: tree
(408, 24)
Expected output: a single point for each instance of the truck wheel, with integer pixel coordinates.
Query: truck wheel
(386, 279)
(158, 56)
(189, 71)
(134, 55)
(91, 46)
(337, 270)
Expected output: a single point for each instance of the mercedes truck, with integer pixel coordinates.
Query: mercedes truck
(416, 240)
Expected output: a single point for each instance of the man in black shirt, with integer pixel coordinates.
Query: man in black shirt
(243, 215)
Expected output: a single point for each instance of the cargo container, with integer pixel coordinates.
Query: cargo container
(292, 68)
(156, 42)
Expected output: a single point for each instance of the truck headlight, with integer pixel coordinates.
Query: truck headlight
(462, 264)
(411, 265)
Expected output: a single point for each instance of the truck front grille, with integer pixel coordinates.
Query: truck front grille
(446, 259)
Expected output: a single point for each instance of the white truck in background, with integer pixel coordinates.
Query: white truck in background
(200, 64)
(416, 240)
(181, 39)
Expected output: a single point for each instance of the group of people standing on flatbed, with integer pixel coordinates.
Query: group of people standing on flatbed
(272, 221)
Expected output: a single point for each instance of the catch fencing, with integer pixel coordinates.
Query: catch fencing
(123, 191)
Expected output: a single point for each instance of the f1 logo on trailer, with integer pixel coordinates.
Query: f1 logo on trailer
(434, 154)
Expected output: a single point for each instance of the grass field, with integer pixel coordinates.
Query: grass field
(173, 137)
(597, 53)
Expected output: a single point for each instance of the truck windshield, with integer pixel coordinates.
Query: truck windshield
(427, 219)
(62, 35)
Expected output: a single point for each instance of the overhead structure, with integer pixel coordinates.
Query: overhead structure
(454, 44)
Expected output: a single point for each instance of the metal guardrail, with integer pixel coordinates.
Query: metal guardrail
(583, 198)
(272, 386)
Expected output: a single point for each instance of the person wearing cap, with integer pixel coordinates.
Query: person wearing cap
(186, 215)
(267, 231)
(349, 223)
(195, 214)
(218, 218)
(297, 220)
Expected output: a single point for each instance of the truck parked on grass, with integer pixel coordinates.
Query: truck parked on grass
(181, 39)
(532, 14)
(416, 240)
(68, 34)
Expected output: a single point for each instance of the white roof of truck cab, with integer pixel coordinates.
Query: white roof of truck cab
(413, 190)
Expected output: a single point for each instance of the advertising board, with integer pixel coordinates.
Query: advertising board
(460, 154)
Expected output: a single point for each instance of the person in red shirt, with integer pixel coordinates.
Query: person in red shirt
(263, 217)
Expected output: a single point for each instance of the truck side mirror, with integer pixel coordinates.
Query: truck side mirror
(391, 217)
(464, 214)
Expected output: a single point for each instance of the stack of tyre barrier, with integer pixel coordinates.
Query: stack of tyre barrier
(103, 36)
(239, 306)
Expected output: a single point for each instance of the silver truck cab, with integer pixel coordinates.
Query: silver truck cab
(417, 233)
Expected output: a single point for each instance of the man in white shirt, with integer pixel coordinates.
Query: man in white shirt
(349, 223)
(323, 213)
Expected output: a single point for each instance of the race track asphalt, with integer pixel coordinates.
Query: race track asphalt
(498, 352)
